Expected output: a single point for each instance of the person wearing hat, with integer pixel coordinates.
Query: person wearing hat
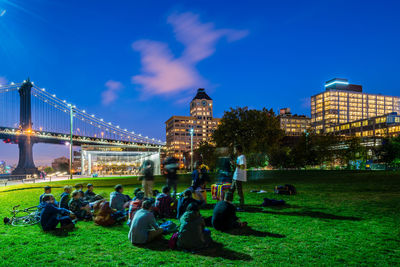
(184, 202)
(144, 227)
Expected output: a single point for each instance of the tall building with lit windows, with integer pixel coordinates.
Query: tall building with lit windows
(200, 120)
(343, 102)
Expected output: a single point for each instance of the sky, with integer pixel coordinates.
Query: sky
(137, 63)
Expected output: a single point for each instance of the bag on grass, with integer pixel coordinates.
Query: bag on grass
(272, 202)
(286, 189)
(169, 227)
(173, 240)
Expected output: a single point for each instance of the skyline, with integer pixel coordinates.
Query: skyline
(103, 62)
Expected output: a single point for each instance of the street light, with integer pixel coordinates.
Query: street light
(70, 143)
(191, 148)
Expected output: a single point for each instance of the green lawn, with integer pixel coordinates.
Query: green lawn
(337, 218)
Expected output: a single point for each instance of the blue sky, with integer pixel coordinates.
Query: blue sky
(137, 63)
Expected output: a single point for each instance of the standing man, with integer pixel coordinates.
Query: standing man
(240, 175)
(147, 170)
(170, 170)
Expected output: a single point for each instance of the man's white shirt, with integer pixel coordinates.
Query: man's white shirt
(240, 174)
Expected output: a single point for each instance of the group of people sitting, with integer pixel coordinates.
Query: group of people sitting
(142, 212)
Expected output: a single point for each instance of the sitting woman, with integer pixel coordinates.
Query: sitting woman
(192, 232)
(79, 208)
(135, 205)
(51, 215)
(184, 202)
(104, 215)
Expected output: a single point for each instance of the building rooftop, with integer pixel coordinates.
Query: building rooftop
(201, 94)
(342, 84)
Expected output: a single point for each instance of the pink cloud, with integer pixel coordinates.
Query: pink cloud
(163, 72)
(3, 80)
(111, 94)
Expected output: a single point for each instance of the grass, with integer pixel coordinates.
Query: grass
(337, 218)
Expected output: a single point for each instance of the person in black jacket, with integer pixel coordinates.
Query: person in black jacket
(224, 215)
(184, 202)
(51, 215)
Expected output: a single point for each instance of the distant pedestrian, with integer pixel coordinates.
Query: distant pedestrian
(170, 170)
(239, 175)
(147, 170)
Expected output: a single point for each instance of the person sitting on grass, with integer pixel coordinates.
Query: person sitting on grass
(47, 190)
(78, 207)
(118, 200)
(135, 205)
(79, 187)
(144, 227)
(165, 203)
(89, 195)
(65, 197)
(104, 215)
(51, 215)
(184, 202)
(224, 215)
(192, 232)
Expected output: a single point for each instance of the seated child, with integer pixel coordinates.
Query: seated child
(65, 197)
(51, 215)
(184, 202)
(224, 215)
(118, 200)
(135, 205)
(165, 204)
(90, 196)
(75, 205)
(47, 190)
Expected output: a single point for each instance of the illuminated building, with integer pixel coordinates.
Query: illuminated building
(200, 119)
(293, 125)
(380, 126)
(343, 102)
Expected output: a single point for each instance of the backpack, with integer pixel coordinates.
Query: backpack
(286, 189)
(173, 241)
(169, 227)
(272, 202)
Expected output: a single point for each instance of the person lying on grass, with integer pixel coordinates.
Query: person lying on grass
(65, 197)
(224, 215)
(118, 200)
(78, 207)
(144, 227)
(51, 215)
(135, 205)
(192, 232)
(104, 215)
(184, 202)
(165, 204)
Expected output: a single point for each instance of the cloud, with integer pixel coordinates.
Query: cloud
(165, 73)
(3, 80)
(111, 94)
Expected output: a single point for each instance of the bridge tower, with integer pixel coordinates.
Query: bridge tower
(25, 143)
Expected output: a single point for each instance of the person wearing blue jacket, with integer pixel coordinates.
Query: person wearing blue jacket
(51, 215)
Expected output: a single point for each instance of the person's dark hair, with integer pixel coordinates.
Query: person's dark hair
(75, 193)
(89, 185)
(228, 196)
(146, 204)
(118, 187)
(47, 197)
(137, 190)
(187, 193)
(192, 207)
(47, 187)
(166, 189)
(78, 186)
(239, 148)
(140, 195)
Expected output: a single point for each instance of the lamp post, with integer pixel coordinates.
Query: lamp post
(191, 148)
(71, 113)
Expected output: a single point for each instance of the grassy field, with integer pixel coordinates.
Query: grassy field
(337, 218)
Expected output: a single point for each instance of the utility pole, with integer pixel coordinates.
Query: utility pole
(191, 149)
(71, 113)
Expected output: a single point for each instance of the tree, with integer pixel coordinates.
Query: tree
(48, 170)
(390, 151)
(207, 153)
(255, 130)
